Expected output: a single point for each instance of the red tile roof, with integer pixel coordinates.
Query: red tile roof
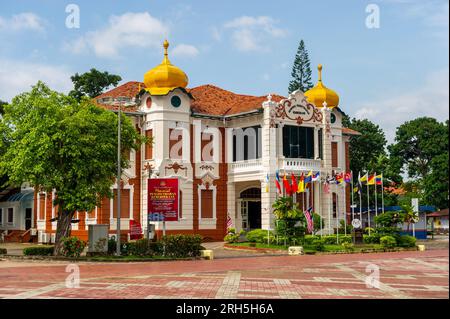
(212, 100)
(208, 99)
(349, 131)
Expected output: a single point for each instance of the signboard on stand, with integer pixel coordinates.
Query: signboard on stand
(163, 202)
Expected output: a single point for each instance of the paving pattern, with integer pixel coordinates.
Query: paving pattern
(401, 275)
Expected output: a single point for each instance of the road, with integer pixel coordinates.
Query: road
(401, 275)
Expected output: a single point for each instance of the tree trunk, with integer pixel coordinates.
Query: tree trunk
(63, 228)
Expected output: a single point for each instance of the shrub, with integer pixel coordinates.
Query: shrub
(330, 240)
(388, 241)
(179, 246)
(38, 251)
(3, 251)
(232, 236)
(257, 236)
(407, 241)
(319, 244)
(112, 246)
(309, 239)
(144, 247)
(368, 230)
(345, 239)
(72, 246)
(371, 239)
(348, 246)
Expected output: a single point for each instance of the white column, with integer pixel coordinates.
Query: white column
(326, 199)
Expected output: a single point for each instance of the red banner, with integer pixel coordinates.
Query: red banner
(163, 199)
(135, 230)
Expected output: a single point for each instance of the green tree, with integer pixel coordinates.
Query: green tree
(435, 184)
(301, 70)
(58, 144)
(367, 151)
(92, 83)
(417, 142)
(421, 151)
(2, 107)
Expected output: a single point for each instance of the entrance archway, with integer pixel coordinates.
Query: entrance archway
(251, 208)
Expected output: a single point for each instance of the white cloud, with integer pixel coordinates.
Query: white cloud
(26, 21)
(253, 33)
(432, 100)
(129, 30)
(17, 77)
(185, 50)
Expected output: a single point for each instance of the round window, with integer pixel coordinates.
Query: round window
(333, 118)
(176, 101)
(149, 102)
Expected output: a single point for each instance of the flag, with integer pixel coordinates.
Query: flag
(267, 183)
(348, 177)
(308, 178)
(326, 185)
(371, 180)
(316, 177)
(339, 178)
(286, 185)
(229, 222)
(309, 219)
(301, 184)
(277, 182)
(363, 179)
(357, 189)
(294, 185)
(379, 179)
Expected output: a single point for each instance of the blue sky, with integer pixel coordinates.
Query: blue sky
(388, 74)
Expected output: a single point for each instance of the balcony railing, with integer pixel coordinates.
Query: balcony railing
(246, 166)
(298, 164)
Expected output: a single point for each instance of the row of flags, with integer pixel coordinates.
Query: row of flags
(368, 179)
(292, 187)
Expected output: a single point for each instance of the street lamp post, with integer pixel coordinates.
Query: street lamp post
(119, 168)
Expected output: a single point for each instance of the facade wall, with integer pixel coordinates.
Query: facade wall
(224, 179)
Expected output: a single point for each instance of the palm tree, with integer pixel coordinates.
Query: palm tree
(409, 216)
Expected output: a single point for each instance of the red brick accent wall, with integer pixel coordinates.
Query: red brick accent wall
(334, 154)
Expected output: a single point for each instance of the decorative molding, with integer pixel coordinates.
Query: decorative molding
(296, 108)
(175, 167)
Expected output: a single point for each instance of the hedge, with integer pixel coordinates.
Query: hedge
(38, 251)
(388, 241)
(3, 251)
(180, 246)
(257, 236)
(144, 247)
(407, 241)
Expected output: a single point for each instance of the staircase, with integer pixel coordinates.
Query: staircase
(14, 236)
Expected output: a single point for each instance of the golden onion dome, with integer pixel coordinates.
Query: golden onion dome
(320, 93)
(165, 77)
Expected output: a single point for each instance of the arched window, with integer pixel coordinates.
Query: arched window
(251, 193)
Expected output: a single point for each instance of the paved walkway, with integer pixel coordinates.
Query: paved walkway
(401, 275)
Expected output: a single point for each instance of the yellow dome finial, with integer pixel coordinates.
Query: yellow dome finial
(165, 77)
(319, 68)
(320, 93)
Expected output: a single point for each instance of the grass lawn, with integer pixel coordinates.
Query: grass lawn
(309, 249)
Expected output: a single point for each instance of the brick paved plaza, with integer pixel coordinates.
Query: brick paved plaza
(402, 275)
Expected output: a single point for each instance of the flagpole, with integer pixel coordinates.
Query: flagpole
(382, 193)
(360, 197)
(353, 199)
(376, 201)
(320, 204)
(368, 201)
(337, 217)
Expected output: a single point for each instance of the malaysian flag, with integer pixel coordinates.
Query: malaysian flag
(229, 222)
(309, 219)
